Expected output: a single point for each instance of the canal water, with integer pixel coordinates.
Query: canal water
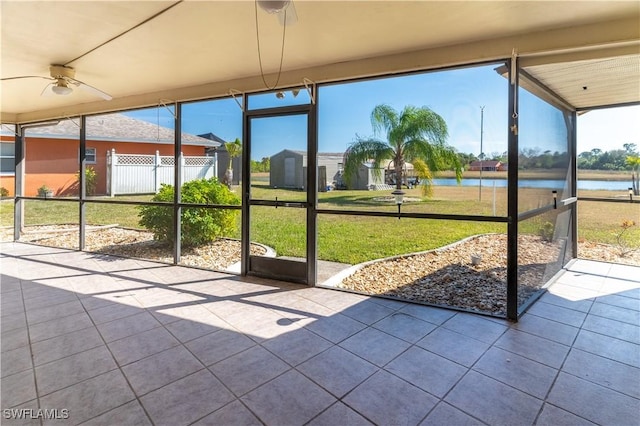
(592, 185)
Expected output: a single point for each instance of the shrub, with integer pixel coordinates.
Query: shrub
(545, 232)
(90, 178)
(45, 191)
(624, 247)
(4, 192)
(199, 225)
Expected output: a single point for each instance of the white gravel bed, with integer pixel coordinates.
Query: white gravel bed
(607, 253)
(218, 255)
(447, 276)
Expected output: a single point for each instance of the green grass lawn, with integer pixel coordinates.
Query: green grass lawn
(602, 222)
(353, 239)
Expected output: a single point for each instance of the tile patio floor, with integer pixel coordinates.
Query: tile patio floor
(127, 342)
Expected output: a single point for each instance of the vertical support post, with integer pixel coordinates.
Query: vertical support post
(512, 203)
(177, 183)
(215, 165)
(18, 207)
(156, 171)
(246, 190)
(82, 182)
(112, 168)
(182, 166)
(573, 154)
(312, 195)
(108, 166)
(481, 152)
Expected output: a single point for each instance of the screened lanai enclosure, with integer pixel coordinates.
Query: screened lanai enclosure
(486, 244)
(282, 203)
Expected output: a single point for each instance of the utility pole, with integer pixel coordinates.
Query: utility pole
(481, 152)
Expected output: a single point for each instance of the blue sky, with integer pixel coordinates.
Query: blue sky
(609, 128)
(457, 95)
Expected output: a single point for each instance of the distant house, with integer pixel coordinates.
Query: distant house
(288, 170)
(487, 166)
(52, 152)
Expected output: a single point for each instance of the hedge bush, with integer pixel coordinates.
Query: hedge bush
(90, 180)
(199, 225)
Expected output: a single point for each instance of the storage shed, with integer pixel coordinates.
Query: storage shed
(288, 169)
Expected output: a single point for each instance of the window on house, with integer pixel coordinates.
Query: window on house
(7, 158)
(91, 156)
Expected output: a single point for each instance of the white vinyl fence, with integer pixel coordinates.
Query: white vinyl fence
(143, 174)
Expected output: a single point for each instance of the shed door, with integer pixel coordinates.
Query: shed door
(290, 172)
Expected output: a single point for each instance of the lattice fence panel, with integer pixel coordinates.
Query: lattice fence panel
(135, 159)
(199, 161)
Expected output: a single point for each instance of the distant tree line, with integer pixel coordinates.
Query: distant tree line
(616, 159)
(467, 159)
(532, 158)
(626, 159)
(261, 166)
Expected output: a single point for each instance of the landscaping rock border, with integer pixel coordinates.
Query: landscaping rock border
(220, 255)
(447, 275)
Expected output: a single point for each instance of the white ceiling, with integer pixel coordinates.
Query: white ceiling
(592, 82)
(200, 49)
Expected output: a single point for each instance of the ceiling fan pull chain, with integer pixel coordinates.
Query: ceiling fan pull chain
(284, 31)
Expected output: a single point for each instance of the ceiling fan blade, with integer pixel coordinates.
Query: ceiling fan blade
(288, 15)
(88, 88)
(48, 90)
(25, 76)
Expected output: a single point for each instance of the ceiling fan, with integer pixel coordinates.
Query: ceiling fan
(285, 10)
(62, 78)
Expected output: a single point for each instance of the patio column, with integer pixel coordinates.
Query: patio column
(82, 181)
(18, 208)
(573, 155)
(177, 183)
(512, 203)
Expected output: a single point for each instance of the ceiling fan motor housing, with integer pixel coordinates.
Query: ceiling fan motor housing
(274, 6)
(60, 71)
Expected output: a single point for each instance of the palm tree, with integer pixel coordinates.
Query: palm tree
(234, 149)
(634, 162)
(416, 135)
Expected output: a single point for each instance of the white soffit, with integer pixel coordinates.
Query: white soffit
(592, 83)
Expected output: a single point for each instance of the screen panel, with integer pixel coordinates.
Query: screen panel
(472, 104)
(460, 264)
(544, 164)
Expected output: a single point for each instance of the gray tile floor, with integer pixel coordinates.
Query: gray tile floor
(112, 341)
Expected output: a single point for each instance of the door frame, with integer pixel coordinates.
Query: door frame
(273, 267)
